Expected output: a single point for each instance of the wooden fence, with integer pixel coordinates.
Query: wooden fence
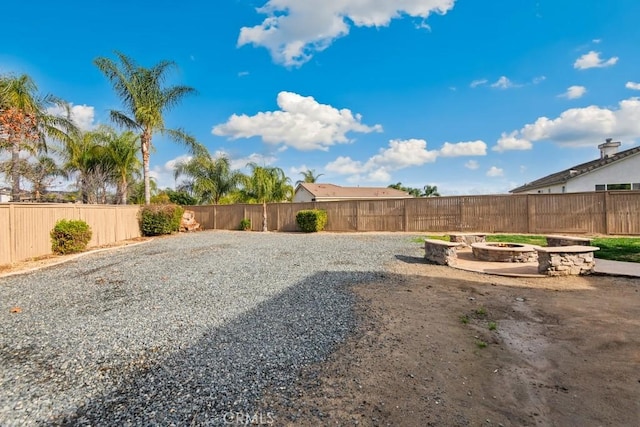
(25, 228)
(576, 213)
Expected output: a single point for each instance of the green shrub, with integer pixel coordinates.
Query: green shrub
(311, 220)
(160, 219)
(245, 224)
(70, 236)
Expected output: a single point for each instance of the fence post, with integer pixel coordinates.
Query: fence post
(12, 233)
(405, 216)
(461, 213)
(531, 215)
(607, 203)
(215, 214)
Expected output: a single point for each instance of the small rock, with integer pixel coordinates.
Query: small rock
(520, 299)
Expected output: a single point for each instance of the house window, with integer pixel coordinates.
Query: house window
(601, 187)
(635, 186)
(618, 187)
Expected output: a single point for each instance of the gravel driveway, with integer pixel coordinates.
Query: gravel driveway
(188, 329)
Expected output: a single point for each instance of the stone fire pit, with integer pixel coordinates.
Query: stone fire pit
(504, 252)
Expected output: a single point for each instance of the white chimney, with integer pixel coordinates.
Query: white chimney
(609, 148)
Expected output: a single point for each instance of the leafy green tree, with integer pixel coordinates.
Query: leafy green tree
(309, 176)
(85, 156)
(146, 100)
(430, 191)
(136, 191)
(180, 197)
(25, 123)
(41, 173)
(208, 179)
(121, 151)
(266, 185)
(415, 192)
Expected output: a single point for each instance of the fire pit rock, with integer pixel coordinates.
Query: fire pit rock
(504, 252)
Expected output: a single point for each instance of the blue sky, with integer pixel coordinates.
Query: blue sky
(476, 97)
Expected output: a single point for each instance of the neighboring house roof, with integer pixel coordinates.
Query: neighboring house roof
(575, 171)
(331, 191)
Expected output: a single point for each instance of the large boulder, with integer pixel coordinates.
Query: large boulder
(189, 222)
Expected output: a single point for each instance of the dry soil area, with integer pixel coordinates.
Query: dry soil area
(443, 347)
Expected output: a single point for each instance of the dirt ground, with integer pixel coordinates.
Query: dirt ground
(564, 352)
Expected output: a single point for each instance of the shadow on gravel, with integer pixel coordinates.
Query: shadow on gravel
(227, 370)
(411, 259)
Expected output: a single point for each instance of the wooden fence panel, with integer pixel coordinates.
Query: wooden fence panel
(568, 213)
(380, 215)
(341, 216)
(623, 213)
(433, 214)
(7, 231)
(494, 214)
(26, 227)
(205, 215)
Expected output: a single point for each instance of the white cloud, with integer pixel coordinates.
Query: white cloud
(538, 80)
(344, 166)
(504, 83)
(579, 127)
(301, 123)
(593, 60)
(632, 86)
(163, 174)
(472, 148)
(243, 73)
(472, 165)
(511, 142)
(479, 82)
(82, 115)
(495, 171)
(400, 154)
(294, 30)
(574, 92)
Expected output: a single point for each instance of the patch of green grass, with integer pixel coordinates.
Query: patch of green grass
(612, 248)
(464, 319)
(481, 344)
(481, 312)
(420, 239)
(525, 239)
(618, 248)
(493, 326)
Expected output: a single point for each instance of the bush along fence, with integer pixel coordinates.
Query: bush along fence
(25, 229)
(616, 213)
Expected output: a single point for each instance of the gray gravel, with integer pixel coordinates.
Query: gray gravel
(181, 330)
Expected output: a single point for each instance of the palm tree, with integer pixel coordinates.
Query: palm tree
(25, 123)
(309, 176)
(121, 150)
(146, 101)
(42, 173)
(430, 191)
(85, 155)
(209, 179)
(136, 191)
(266, 185)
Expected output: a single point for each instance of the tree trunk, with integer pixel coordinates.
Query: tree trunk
(145, 141)
(264, 217)
(123, 191)
(15, 171)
